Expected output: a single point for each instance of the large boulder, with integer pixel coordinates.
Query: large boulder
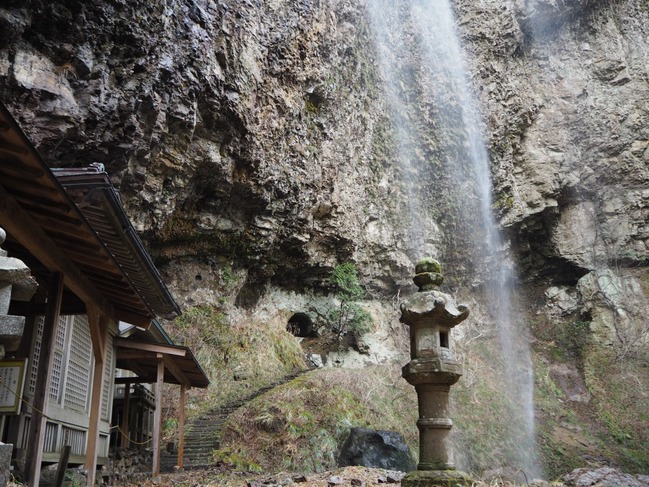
(380, 449)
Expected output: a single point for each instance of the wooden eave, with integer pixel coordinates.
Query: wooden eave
(99, 202)
(181, 367)
(47, 230)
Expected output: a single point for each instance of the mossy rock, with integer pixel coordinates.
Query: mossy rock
(428, 264)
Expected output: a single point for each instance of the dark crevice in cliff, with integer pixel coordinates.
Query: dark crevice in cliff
(537, 256)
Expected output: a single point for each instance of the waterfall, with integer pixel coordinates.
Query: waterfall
(438, 138)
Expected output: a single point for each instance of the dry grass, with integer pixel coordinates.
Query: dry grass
(301, 425)
(238, 354)
(620, 391)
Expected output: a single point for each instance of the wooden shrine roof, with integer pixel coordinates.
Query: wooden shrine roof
(81, 232)
(141, 357)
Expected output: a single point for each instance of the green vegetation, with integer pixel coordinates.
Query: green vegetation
(238, 356)
(301, 425)
(348, 317)
(620, 391)
(235, 461)
(563, 341)
(613, 423)
(561, 440)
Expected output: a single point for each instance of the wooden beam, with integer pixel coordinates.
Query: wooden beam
(135, 355)
(132, 318)
(35, 201)
(14, 181)
(98, 325)
(125, 442)
(157, 415)
(57, 215)
(175, 371)
(36, 435)
(99, 350)
(132, 380)
(74, 240)
(181, 426)
(21, 226)
(135, 367)
(30, 309)
(63, 465)
(13, 149)
(100, 263)
(149, 347)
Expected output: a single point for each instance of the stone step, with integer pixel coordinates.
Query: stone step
(204, 433)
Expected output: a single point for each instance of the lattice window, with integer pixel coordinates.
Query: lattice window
(109, 368)
(33, 372)
(58, 359)
(25, 438)
(79, 366)
(76, 439)
(50, 443)
(103, 446)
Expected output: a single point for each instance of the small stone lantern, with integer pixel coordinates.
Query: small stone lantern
(15, 283)
(433, 369)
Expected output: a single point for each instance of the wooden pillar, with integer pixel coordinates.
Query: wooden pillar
(126, 411)
(157, 415)
(181, 426)
(98, 331)
(41, 394)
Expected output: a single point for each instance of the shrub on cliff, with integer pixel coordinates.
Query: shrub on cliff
(348, 316)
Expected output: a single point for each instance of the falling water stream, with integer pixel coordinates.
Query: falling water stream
(429, 97)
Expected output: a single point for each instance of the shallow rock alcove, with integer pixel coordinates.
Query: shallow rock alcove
(300, 325)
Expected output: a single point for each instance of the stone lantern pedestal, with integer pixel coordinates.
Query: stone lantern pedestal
(433, 369)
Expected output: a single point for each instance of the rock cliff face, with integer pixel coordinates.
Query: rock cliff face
(564, 89)
(240, 129)
(252, 135)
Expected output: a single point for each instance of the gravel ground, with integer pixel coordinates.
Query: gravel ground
(355, 476)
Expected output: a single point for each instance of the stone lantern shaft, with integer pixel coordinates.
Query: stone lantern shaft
(433, 369)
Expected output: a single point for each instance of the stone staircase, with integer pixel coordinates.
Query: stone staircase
(203, 434)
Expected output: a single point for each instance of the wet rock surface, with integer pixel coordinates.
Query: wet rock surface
(240, 128)
(251, 144)
(258, 129)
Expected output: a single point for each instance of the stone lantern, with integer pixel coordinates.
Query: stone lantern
(433, 369)
(15, 283)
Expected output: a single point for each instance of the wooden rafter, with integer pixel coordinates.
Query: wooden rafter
(150, 347)
(22, 227)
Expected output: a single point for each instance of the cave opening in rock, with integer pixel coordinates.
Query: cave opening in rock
(300, 325)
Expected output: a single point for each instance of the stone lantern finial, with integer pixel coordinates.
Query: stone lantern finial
(428, 274)
(431, 314)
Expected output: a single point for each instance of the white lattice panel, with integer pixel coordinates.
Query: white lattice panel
(56, 374)
(103, 446)
(50, 443)
(109, 367)
(33, 371)
(25, 437)
(76, 439)
(61, 332)
(79, 366)
(57, 370)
